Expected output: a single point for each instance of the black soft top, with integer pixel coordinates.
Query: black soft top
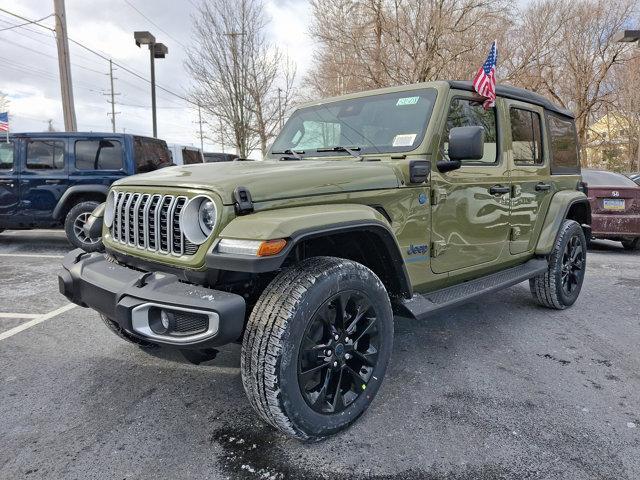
(516, 93)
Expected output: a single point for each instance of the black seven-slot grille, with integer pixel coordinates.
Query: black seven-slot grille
(151, 222)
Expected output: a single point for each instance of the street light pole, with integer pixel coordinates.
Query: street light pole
(156, 50)
(630, 36)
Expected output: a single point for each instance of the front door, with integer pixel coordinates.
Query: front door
(530, 176)
(44, 177)
(470, 216)
(9, 188)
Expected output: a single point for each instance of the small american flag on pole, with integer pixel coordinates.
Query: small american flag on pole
(4, 122)
(485, 80)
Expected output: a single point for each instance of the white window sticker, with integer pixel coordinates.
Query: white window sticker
(404, 140)
(407, 101)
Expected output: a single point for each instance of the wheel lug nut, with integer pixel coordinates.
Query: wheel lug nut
(336, 337)
(347, 356)
(328, 352)
(335, 364)
(347, 339)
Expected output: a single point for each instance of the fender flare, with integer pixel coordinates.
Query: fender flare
(371, 222)
(557, 212)
(57, 212)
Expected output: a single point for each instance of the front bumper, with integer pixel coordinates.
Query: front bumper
(126, 296)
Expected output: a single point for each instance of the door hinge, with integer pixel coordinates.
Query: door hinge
(515, 233)
(438, 248)
(438, 195)
(516, 190)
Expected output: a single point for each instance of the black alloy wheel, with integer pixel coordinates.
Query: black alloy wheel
(339, 352)
(572, 265)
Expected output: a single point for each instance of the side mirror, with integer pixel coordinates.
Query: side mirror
(466, 143)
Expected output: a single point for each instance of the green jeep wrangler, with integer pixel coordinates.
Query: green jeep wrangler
(395, 202)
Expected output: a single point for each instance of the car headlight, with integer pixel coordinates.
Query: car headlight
(110, 209)
(198, 219)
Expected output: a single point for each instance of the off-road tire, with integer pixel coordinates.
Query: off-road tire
(632, 244)
(123, 334)
(547, 287)
(81, 209)
(271, 343)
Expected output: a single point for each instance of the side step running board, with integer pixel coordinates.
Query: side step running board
(425, 304)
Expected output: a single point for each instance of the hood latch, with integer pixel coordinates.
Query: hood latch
(243, 204)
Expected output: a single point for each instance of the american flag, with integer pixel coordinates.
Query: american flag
(485, 80)
(4, 122)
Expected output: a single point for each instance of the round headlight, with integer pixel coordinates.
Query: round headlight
(198, 219)
(207, 216)
(110, 209)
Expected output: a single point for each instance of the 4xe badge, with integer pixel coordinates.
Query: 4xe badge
(417, 249)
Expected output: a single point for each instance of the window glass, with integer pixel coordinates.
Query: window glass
(526, 139)
(190, 157)
(564, 145)
(150, 154)
(597, 178)
(390, 122)
(6, 156)
(45, 155)
(469, 113)
(98, 155)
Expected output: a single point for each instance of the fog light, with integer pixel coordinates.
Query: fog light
(161, 322)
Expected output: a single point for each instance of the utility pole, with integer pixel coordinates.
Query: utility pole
(156, 50)
(113, 100)
(200, 122)
(64, 65)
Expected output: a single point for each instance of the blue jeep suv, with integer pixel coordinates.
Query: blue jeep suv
(57, 179)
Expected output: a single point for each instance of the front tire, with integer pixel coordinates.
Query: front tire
(316, 347)
(73, 227)
(560, 285)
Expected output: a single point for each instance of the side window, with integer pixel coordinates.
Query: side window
(564, 145)
(6, 156)
(469, 113)
(150, 154)
(45, 155)
(526, 138)
(98, 155)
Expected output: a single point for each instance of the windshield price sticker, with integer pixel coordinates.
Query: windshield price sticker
(404, 140)
(407, 101)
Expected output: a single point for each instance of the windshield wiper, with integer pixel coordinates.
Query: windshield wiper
(294, 155)
(350, 150)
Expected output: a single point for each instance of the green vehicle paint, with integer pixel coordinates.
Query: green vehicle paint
(467, 232)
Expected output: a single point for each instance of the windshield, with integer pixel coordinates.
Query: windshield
(598, 178)
(386, 123)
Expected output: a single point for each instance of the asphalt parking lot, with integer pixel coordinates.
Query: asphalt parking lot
(499, 388)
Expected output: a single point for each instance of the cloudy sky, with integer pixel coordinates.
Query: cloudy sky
(29, 68)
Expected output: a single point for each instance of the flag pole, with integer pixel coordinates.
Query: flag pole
(7, 127)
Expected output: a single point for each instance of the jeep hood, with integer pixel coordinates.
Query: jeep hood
(270, 180)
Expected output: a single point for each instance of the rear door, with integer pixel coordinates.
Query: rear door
(9, 187)
(96, 161)
(470, 212)
(530, 175)
(45, 177)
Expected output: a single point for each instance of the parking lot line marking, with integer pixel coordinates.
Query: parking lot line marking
(36, 321)
(19, 315)
(34, 255)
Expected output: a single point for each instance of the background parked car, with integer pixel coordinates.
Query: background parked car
(615, 207)
(185, 155)
(58, 179)
(210, 157)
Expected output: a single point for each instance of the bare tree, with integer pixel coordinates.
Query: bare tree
(237, 73)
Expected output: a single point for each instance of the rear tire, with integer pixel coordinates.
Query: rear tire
(632, 244)
(316, 347)
(560, 285)
(73, 224)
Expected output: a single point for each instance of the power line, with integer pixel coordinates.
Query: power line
(104, 57)
(156, 25)
(26, 23)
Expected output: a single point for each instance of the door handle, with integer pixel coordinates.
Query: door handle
(541, 187)
(52, 182)
(499, 190)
